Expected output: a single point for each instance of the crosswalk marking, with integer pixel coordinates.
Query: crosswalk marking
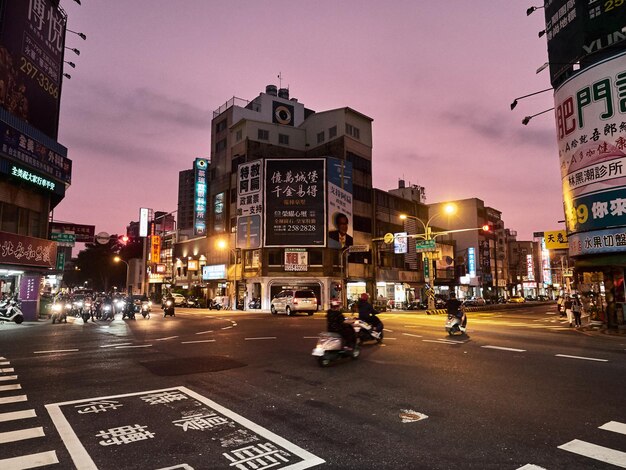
(4, 388)
(5, 378)
(20, 435)
(31, 461)
(614, 426)
(5, 363)
(12, 399)
(7, 370)
(593, 451)
(13, 415)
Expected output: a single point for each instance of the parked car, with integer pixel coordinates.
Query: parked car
(543, 298)
(294, 300)
(530, 298)
(516, 299)
(474, 302)
(179, 300)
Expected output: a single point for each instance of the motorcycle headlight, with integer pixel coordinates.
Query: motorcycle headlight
(79, 304)
(169, 303)
(107, 308)
(149, 303)
(57, 307)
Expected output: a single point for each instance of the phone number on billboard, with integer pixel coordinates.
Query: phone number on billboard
(296, 228)
(43, 81)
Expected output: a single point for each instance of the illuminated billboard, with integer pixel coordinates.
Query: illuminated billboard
(249, 204)
(200, 196)
(590, 121)
(32, 41)
(340, 219)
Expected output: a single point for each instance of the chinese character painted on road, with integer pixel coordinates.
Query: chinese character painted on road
(200, 422)
(124, 435)
(257, 457)
(98, 406)
(163, 397)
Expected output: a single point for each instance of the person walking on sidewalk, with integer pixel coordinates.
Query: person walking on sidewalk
(577, 310)
(567, 306)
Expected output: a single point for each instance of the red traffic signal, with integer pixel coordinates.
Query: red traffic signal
(485, 230)
(124, 239)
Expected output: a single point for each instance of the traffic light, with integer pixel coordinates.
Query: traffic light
(485, 230)
(124, 239)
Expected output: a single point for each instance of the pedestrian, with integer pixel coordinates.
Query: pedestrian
(567, 305)
(577, 310)
(559, 306)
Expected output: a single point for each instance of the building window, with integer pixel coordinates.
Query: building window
(315, 257)
(362, 224)
(349, 129)
(359, 163)
(283, 139)
(332, 132)
(220, 126)
(238, 135)
(263, 134)
(356, 133)
(220, 145)
(361, 193)
(320, 137)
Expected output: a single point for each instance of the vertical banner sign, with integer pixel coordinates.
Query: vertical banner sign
(144, 214)
(31, 62)
(591, 123)
(156, 249)
(530, 268)
(545, 263)
(60, 260)
(471, 261)
(294, 205)
(249, 204)
(340, 221)
(400, 245)
(296, 259)
(426, 267)
(200, 195)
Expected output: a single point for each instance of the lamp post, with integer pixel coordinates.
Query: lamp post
(238, 277)
(117, 259)
(448, 209)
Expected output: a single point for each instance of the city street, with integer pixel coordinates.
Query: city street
(208, 389)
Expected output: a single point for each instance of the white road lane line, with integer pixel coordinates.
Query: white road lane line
(5, 378)
(582, 357)
(5, 363)
(204, 332)
(55, 351)
(501, 348)
(4, 388)
(7, 370)
(260, 337)
(137, 346)
(310, 337)
(3, 358)
(13, 399)
(165, 339)
(13, 415)
(387, 337)
(115, 345)
(390, 331)
(440, 341)
(593, 451)
(198, 341)
(614, 426)
(414, 336)
(40, 459)
(227, 328)
(530, 466)
(20, 435)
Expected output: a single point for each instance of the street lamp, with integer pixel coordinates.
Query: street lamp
(448, 209)
(117, 259)
(222, 244)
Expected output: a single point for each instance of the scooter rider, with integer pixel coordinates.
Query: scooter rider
(455, 307)
(368, 314)
(336, 323)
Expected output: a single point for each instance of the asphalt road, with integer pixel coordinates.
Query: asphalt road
(241, 390)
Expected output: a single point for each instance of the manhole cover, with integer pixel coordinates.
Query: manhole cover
(190, 365)
(410, 416)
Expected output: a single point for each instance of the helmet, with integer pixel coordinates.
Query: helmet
(335, 303)
(364, 296)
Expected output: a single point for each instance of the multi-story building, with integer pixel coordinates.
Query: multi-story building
(186, 180)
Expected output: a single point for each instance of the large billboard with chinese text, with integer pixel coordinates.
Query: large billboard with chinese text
(200, 166)
(340, 224)
(591, 135)
(295, 202)
(249, 204)
(576, 29)
(32, 38)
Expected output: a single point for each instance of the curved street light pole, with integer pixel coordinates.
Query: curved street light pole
(117, 259)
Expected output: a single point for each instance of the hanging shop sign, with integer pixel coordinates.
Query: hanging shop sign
(471, 261)
(213, 272)
(155, 252)
(400, 245)
(249, 204)
(83, 233)
(296, 259)
(556, 239)
(27, 251)
(200, 196)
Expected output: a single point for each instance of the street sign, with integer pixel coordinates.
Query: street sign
(568, 272)
(359, 248)
(60, 260)
(103, 238)
(426, 268)
(388, 238)
(63, 237)
(422, 246)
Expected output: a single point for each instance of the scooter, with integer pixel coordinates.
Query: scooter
(59, 313)
(330, 347)
(10, 311)
(367, 332)
(85, 315)
(214, 304)
(107, 311)
(169, 308)
(255, 303)
(453, 325)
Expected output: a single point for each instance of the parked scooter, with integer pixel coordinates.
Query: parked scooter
(169, 308)
(255, 303)
(10, 311)
(330, 347)
(214, 304)
(453, 325)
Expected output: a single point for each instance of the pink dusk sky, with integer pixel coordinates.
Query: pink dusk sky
(436, 77)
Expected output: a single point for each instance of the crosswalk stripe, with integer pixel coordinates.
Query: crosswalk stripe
(4, 378)
(4, 388)
(593, 451)
(20, 435)
(614, 426)
(12, 399)
(30, 461)
(13, 415)
(7, 370)
(5, 363)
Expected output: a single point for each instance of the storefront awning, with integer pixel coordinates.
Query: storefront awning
(600, 261)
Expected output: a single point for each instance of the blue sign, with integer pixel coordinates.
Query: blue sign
(471, 261)
(598, 242)
(214, 271)
(597, 211)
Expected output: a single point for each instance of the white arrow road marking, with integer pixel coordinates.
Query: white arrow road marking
(4, 388)
(20, 435)
(582, 357)
(614, 426)
(31, 461)
(503, 348)
(13, 399)
(13, 415)
(593, 451)
(55, 351)
(4, 378)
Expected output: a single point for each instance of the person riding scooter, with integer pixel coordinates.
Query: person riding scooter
(336, 323)
(368, 314)
(454, 307)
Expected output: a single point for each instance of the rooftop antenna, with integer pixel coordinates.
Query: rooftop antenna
(280, 80)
